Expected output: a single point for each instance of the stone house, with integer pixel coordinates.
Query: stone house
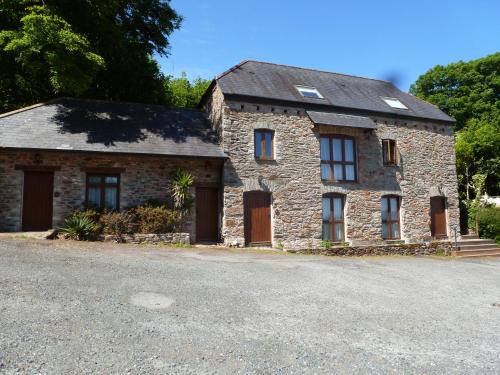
(281, 156)
(321, 156)
(57, 156)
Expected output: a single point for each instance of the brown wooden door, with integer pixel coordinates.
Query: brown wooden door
(257, 218)
(207, 214)
(438, 217)
(37, 200)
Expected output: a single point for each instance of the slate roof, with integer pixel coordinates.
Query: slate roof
(100, 126)
(277, 82)
(337, 119)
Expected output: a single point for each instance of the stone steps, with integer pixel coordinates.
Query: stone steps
(473, 246)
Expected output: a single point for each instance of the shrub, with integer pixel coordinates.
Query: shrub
(81, 228)
(118, 223)
(488, 219)
(326, 244)
(181, 184)
(90, 214)
(158, 219)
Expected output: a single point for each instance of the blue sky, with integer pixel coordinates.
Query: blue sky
(387, 39)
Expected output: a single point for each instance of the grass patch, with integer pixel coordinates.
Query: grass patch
(440, 253)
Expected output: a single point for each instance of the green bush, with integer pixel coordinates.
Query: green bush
(158, 219)
(488, 219)
(118, 223)
(326, 244)
(81, 228)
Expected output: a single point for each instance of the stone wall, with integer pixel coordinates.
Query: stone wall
(427, 165)
(143, 178)
(164, 238)
(427, 248)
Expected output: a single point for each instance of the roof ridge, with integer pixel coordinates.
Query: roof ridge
(62, 98)
(164, 106)
(28, 108)
(310, 69)
(233, 68)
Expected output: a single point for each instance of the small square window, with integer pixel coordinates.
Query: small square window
(102, 191)
(394, 103)
(264, 144)
(390, 152)
(309, 92)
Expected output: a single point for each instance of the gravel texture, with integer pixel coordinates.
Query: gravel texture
(84, 308)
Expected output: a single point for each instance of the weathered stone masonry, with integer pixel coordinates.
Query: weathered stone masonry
(143, 178)
(427, 167)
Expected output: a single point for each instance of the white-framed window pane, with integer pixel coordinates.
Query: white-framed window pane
(337, 149)
(325, 148)
(339, 232)
(326, 209)
(395, 230)
(338, 171)
(337, 208)
(94, 196)
(326, 231)
(349, 150)
(349, 173)
(326, 172)
(269, 144)
(258, 144)
(110, 195)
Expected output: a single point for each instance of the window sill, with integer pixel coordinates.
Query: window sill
(332, 182)
(262, 160)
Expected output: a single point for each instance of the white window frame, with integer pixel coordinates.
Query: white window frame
(309, 89)
(394, 103)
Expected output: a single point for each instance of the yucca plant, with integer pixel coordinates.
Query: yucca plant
(181, 184)
(79, 228)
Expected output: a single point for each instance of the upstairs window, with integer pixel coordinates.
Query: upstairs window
(394, 103)
(264, 144)
(390, 217)
(103, 191)
(338, 158)
(309, 92)
(390, 152)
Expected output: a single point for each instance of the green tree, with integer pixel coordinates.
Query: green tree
(184, 93)
(95, 48)
(470, 92)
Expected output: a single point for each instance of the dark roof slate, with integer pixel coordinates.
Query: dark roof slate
(100, 126)
(277, 82)
(338, 119)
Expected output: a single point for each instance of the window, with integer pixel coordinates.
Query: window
(390, 217)
(309, 92)
(390, 152)
(338, 158)
(264, 144)
(333, 217)
(395, 103)
(103, 191)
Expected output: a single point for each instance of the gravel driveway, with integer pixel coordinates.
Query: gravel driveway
(100, 308)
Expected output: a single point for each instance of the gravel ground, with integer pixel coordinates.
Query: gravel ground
(82, 308)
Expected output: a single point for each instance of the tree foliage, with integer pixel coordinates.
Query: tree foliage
(94, 48)
(470, 92)
(184, 93)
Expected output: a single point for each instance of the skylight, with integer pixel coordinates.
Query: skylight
(394, 103)
(309, 92)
